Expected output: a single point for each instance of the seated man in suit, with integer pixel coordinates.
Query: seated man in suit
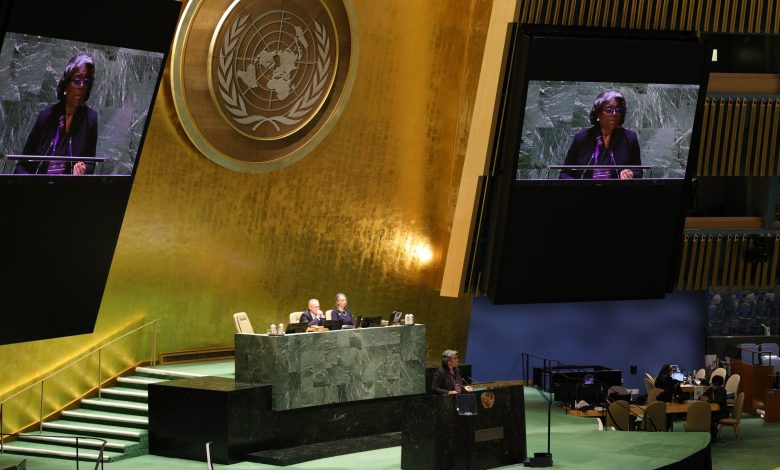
(313, 316)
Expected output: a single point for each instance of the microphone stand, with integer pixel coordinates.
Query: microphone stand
(544, 459)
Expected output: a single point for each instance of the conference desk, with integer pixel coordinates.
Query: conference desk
(639, 410)
(342, 366)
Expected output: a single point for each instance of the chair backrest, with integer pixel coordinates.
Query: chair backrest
(649, 385)
(747, 352)
(770, 348)
(242, 323)
(618, 414)
(732, 384)
(329, 314)
(650, 378)
(773, 361)
(295, 317)
(652, 395)
(719, 371)
(738, 403)
(698, 419)
(701, 374)
(655, 417)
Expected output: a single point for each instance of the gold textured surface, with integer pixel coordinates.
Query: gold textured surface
(360, 214)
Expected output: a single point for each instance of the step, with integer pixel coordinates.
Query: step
(321, 450)
(96, 430)
(55, 451)
(125, 393)
(106, 417)
(45, 437)
(161, 373)
(116, 406)
(138, 381)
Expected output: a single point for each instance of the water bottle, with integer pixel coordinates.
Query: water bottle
(273, 329)
(280, 329)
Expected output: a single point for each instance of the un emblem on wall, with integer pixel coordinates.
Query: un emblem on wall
(277, 75)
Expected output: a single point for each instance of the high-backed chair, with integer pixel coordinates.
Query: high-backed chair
(747, 352)
(719, 371)
(735, 418)
(732, 387)
(650, 378)
(655, 417)
(242, 323)
(618, 415)
(698, 419)
(295, 317)
(700, 374)
(329, 314)
(770, 349)
(652, 395)
(649, 385)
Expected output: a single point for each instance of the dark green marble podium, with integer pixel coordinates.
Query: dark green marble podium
(311, 369)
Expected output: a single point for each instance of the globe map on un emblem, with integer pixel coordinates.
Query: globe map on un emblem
(271, 70)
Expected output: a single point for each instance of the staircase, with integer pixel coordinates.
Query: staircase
(119, 416)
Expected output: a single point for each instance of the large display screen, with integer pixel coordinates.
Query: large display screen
(82, 102)
(77, 87)
(596, 143)
(604, 130)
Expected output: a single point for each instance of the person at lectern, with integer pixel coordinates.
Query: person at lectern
(447, 379)
(68, 127)
(670, 387)
(341, 313)
(605, 143)
(313, 316)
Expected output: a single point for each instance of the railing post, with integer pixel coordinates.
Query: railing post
(154, 344)
(40, 410)
(100, 373)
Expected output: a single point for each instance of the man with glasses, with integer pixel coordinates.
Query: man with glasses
(606, 143)
(313, 315)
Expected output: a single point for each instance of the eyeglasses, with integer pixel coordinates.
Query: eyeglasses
(78, 81)
(613, 110)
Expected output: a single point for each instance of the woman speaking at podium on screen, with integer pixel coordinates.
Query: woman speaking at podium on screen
(606, 143)
(447, 379)
(67, 128)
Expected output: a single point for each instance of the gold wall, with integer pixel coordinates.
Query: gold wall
(200, 242)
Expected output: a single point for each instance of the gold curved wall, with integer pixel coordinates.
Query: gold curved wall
(200, 242)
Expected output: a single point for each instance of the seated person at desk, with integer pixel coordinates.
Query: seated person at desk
(447, 379)
(313, 316)
(341, 313)
(670, 387)
(716, 394)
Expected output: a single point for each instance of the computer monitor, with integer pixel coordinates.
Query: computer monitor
(678, 376)
(332, 324)
(296, 328)
(366, 322)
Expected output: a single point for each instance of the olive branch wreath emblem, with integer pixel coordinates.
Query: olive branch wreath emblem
(236, 104)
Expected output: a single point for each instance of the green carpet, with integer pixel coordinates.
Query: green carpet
(576, 443)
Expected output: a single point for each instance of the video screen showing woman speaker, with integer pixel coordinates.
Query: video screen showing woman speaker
(73, 108)
(599, 131)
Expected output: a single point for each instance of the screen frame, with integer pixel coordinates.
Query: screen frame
(531, 46)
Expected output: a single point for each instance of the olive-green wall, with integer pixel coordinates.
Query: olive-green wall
(200, 242)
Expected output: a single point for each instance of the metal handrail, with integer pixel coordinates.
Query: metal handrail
(74, 362)
(98, 462)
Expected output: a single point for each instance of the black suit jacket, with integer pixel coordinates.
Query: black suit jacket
(308, 319)
(81, 141)
(442, 380)
(623, 150)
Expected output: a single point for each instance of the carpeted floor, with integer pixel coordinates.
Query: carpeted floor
(575, 443)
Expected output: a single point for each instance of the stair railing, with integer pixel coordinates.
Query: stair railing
(99, 352)
(98, 462)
